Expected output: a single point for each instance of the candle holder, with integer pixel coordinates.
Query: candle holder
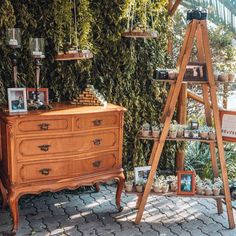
(37, 53)
(13, 40)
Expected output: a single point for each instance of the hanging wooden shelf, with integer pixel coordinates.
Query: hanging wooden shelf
(140, 34)
(73, 56)
(179, 139)
(174, 194)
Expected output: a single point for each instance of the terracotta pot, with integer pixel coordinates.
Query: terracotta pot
(212, 135)
(157, 188)
(128, 187)
(223, 77)
(139, 188)
(156, 133)
(173, 134)
(145, 133)
(216, 192)
(165, 188)
(199, 190)
(180, 133)
(231, 77)
(204, 135)
(208, 192)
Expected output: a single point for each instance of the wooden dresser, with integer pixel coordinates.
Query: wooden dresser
(66, 147)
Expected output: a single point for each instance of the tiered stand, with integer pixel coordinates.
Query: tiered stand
(196, 28)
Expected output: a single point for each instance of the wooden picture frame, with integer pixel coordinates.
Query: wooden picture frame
(141, 170)
(228, 125)
(17, 100)
(43, 94)
(186, 182)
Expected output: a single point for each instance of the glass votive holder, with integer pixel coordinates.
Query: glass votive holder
(13, 38)
(37, 47)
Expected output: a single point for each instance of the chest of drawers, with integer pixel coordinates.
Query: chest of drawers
(66, 147)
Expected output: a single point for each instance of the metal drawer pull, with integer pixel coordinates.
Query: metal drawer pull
(44, 147)
(97, 122)
(96, 163)
(43, 126)
(45, 171)
(97, 142)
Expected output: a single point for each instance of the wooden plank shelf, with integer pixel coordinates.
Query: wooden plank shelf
(179, 139)
(171, 81)
(174, 194)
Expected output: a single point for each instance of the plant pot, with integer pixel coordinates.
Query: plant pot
(128, 187)
(173, 187)
(208, 192)
(165, 188)
(199, 190)
(187, 133)
(180, 133)
(231, 77)
(157, 188)
(156, 133)
(223, 77)
(212, 135)
(172, 134)
(216, 191)
(204, 135)
(195, 135)
(145, 133)
(139, 188)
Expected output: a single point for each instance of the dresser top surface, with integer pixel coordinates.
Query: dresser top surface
(64, 109)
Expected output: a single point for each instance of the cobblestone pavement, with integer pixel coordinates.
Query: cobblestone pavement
(90, 213)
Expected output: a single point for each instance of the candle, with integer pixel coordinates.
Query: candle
(36, 52)
(13, 41)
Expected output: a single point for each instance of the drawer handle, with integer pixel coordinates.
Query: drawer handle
(43, 126)
(97, 122)
(45, 171)
(96, 163)
(97, 142)
(44, 147)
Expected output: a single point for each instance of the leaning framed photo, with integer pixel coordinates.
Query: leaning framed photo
(17, 99)
(141, 173)
(43, 94)
(186, 182)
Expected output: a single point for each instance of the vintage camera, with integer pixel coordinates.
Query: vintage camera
(161, 74)
(196, 14)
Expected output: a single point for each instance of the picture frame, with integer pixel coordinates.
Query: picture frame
(228, 125)
(43, 94)
(186, 182)
(194, 125)
(141, 173)
(17, 100)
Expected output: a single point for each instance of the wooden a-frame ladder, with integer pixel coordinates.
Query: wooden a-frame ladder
(196, 28)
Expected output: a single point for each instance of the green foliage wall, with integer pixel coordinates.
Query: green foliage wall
(121, 69)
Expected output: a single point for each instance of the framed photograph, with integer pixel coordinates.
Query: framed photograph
(141, 173)
(186, 183)
(228, 125)
(194, 125)
(43, 94)
(17, 99)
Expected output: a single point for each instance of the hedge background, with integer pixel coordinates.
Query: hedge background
(121, 69)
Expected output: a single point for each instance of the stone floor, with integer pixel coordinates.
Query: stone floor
(90, 213)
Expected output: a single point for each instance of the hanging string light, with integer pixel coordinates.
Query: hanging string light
(137, 29)
(73, 53)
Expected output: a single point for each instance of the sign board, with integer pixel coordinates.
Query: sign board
(228, 125)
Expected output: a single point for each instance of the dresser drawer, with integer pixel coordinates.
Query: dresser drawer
(26, 126)
(96, 121)
(95, 164)
(54, 147)
(42, 171)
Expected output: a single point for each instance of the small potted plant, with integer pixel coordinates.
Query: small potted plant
(208, 190)
(195, 134)
(212, 133)
(204, 132)
(173, 130)
(157, 186)
(129, 185)
(199, 186)
(165, 187)
(173, 186)
(139, 186)
(145, 130)
(218, 181)
(156, 130)
(231, 77)
(216, 189)
(180, 131)
(187, 132)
